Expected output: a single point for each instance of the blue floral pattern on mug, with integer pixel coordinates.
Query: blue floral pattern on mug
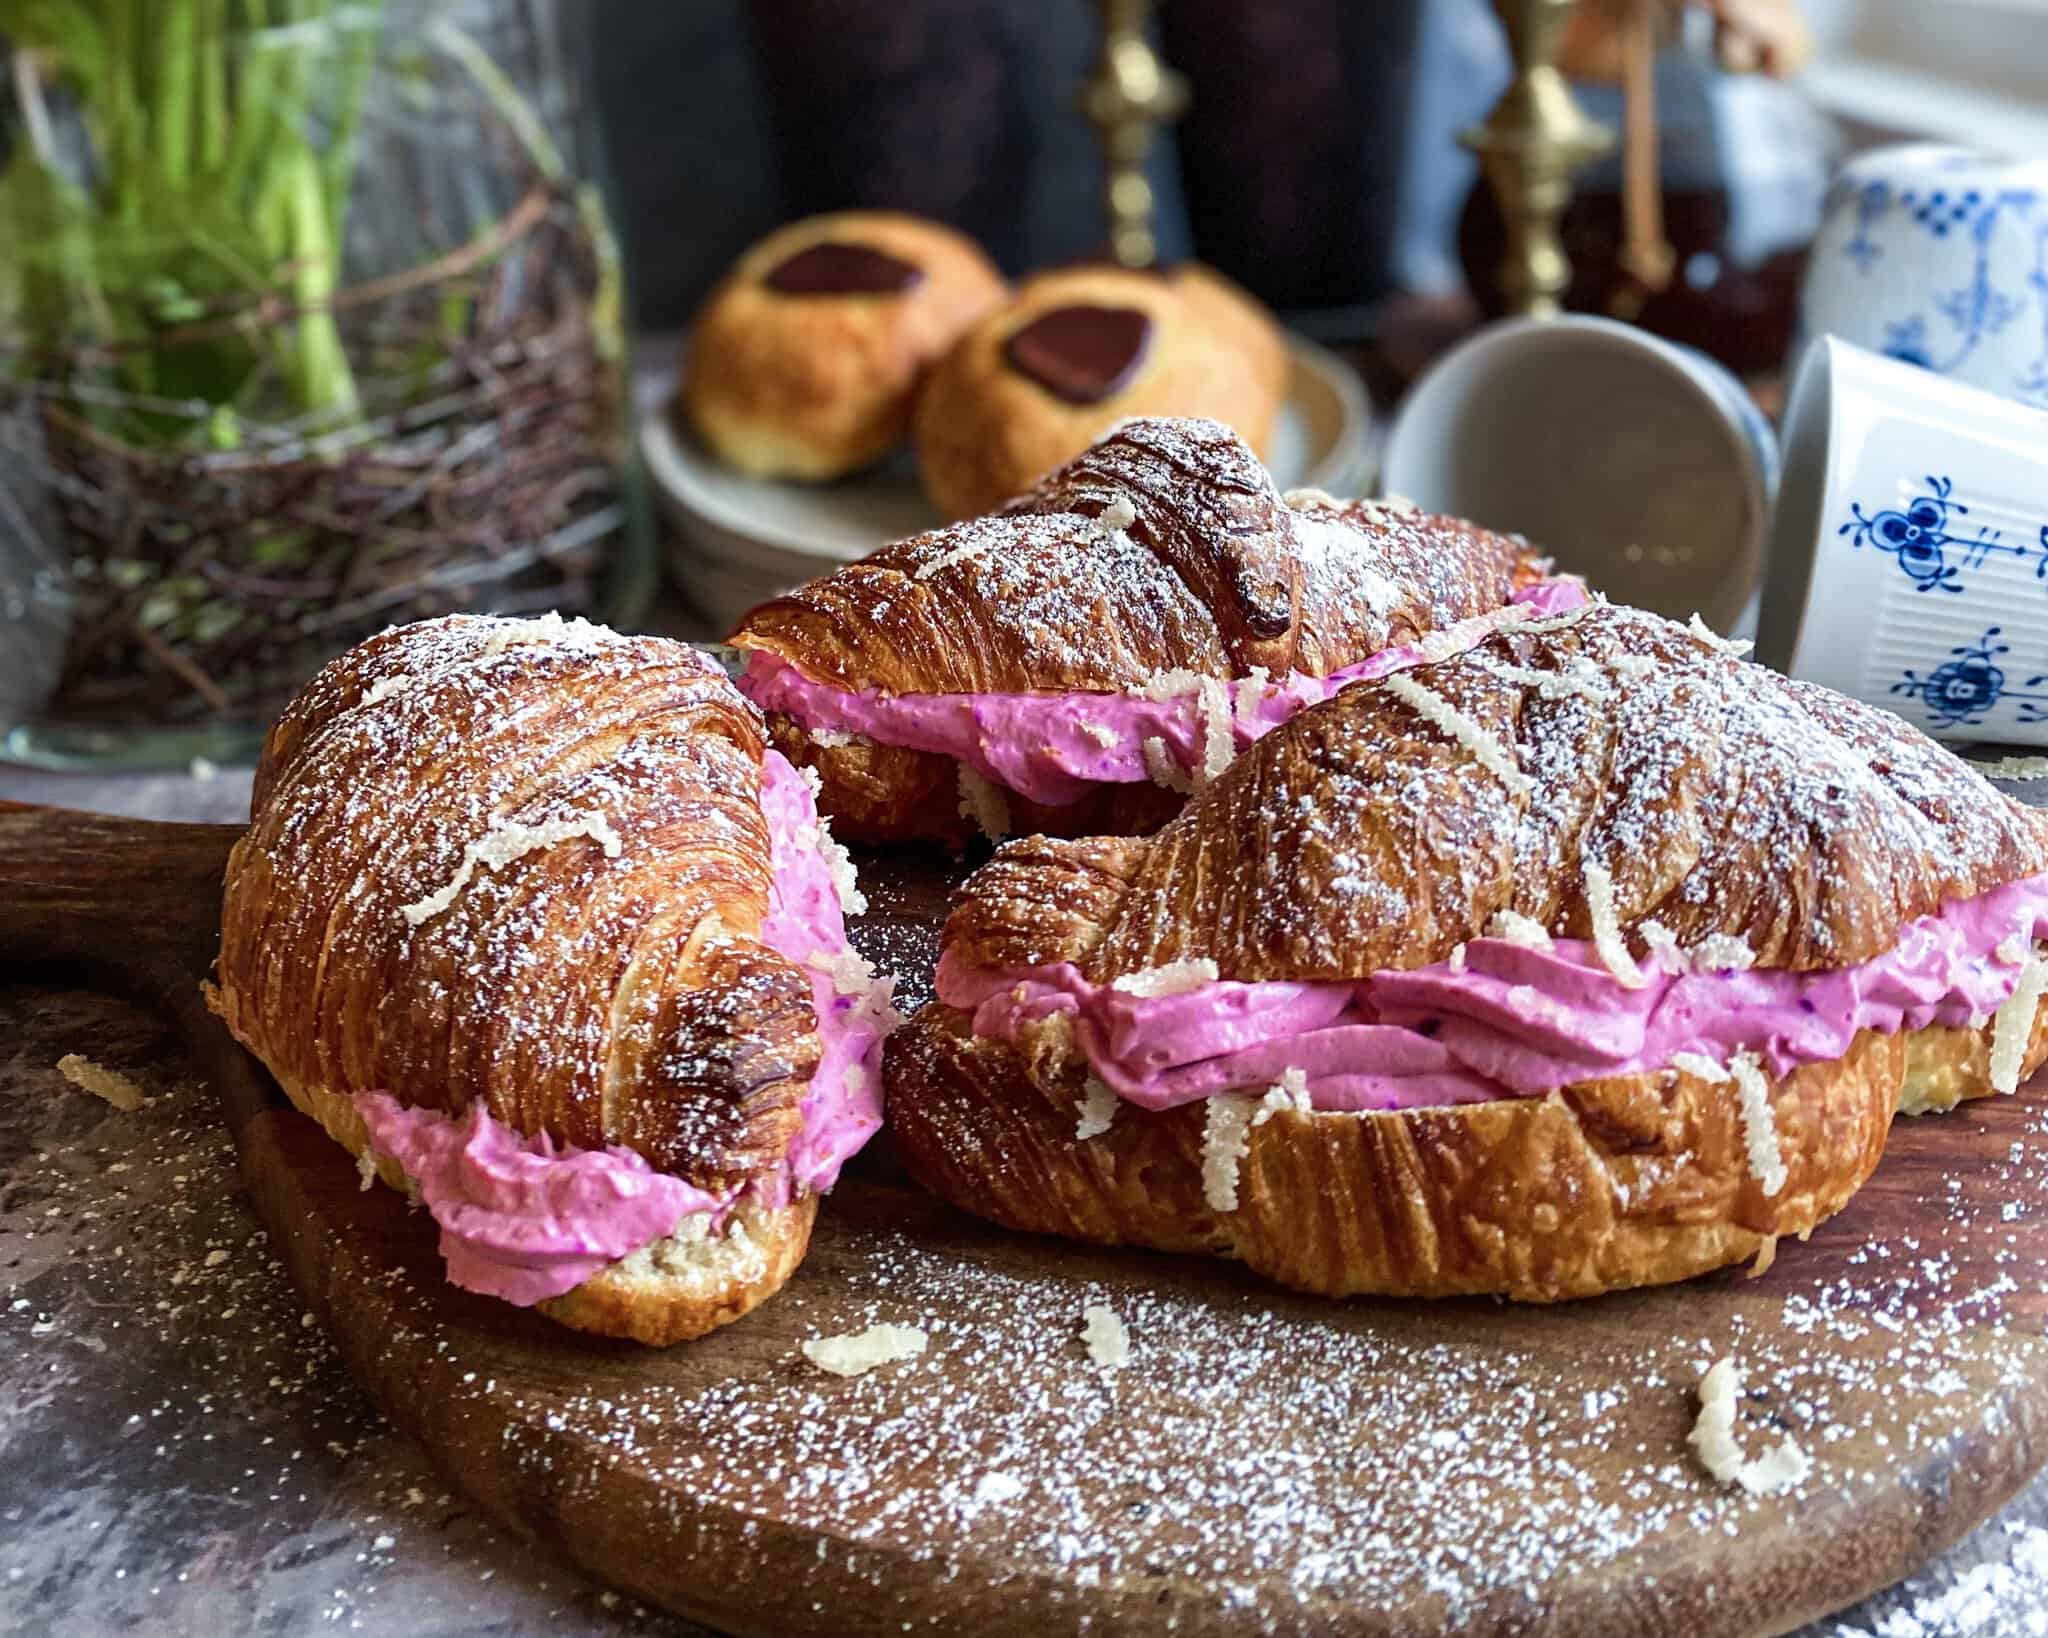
(1956, 322)
(1922, 534)
(1965, 686)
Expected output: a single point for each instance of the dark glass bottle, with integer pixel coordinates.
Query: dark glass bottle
(1744, 163)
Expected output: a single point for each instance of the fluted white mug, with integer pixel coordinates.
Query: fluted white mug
(1908, 559)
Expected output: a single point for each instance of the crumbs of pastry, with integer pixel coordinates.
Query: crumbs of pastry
(1098, 1110)
(1783, 1467)
(102, 1082)
(859, 1352)
(1103, 1334)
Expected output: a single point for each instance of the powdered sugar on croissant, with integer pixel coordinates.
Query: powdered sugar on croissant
(1719, 799)
(546, 883)
(1603, 956)
(1138, 617)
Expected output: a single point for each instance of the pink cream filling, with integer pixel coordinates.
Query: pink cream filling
(521, 1218)
(806, 924)
(1050, 748)
(1513, 1021)
(525, 1219)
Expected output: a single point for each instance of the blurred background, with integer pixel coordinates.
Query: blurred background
(316, 315)
(1318, 163)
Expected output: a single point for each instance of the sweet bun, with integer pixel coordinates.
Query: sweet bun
(1076, 352)
(1240, 319)
(804, 361)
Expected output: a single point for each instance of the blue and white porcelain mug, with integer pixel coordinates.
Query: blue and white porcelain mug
(1937, 256)
(1908, 560)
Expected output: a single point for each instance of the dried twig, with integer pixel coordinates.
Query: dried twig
(484, 477)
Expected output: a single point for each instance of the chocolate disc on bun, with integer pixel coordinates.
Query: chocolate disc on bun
(1077, 351)
(805, 359)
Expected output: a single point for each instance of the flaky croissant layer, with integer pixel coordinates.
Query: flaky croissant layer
(1141, 614)
(550, 881)
(1589, 957)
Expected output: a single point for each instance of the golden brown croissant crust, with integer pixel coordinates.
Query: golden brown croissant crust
(1717, 797)
(607, 985)
(1632, 1180)
(1214, 574)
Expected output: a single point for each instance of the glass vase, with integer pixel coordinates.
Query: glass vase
(310, 324)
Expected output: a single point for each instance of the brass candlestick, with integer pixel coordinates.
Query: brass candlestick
(1131, 92)
(1529, 146)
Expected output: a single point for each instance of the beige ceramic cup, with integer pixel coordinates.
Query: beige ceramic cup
(1641, 465)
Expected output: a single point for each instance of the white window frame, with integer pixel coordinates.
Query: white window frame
(1973, 72)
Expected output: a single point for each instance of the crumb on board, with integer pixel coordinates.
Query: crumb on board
(1720, 1452)
(859, 1352)
(102, 1082)
(1108, 1343)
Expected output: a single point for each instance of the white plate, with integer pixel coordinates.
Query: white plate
(741, 541)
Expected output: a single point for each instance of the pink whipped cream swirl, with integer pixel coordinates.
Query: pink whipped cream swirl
(807, 924)
(521, 1218)
(1051, 747)
(1511, 1021)
(525, 1219)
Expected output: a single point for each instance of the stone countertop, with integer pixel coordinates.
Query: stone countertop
(180, 1451)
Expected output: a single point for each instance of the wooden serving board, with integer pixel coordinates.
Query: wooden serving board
(1264, 1463)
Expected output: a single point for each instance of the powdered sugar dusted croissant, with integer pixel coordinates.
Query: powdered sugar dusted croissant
(1110, 640)
(1589, 958)
(529, 919)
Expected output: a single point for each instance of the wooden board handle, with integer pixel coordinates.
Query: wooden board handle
(132, 905)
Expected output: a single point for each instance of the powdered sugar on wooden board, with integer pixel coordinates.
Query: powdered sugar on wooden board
(1266, 1449)
(183, 1454)
(1258, 1452)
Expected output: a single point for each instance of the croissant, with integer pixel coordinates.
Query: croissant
(530, 919)
(1591, 957)
(1086, 657)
